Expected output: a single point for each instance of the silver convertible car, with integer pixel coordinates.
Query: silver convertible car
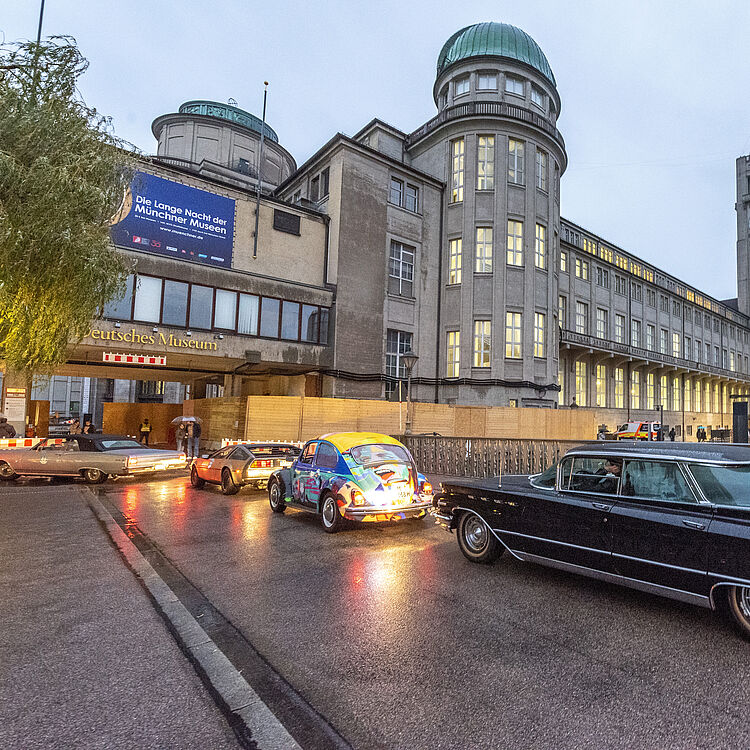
(94, 457)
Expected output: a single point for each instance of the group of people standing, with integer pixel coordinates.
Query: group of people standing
(190, 432)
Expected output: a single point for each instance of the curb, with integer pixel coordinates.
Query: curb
(249, 715)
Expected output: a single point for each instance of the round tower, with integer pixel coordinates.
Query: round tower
(495, 144)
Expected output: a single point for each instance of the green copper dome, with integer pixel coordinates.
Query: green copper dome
(494, 39)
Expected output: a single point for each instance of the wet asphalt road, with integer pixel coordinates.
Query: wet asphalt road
(400, 643)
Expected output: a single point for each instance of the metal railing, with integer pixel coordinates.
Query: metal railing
(484, 457)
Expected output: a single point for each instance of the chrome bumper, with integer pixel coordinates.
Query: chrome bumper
(370, 513)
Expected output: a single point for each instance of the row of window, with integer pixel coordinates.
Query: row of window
(404, 194)
(150, 299)
(319, 187)
(483, 250)
(646, 390)
(486, 165)
(488, 80)
(676, 345)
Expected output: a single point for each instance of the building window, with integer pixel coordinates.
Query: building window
(650, 336)
(513, 335)
(404, 195)
(602, 277)
(582, 316)
(396, 195)
(724, 358)
(201, 306)
(486, 162)
(687, 395)
(453, 353)
(621, 285)
(483, 257)
(563, 261)
(582, 269)
(309, 325)
(454, 261)
(717, 359)
(269, 317)
(461, 86)
(147, 299)
(541, 170)
(676, 308)
(537, 97)
(636, 292)
(663, 392)
(397, 344)
(122, 306)
(688, 349)
(319, 185)
(697, 395)
(226, 309)
(676, 345)
(562, 311)
(602, 323)
(675, 393)
(457, 170)
(581, 383)
(698, 351)
(487, 81)
(290, 320)
(515, 162)
(650, 297)
(401, 269)
(601, 385)
(663, 303)
(412, 198)
(514, 85)
(539, 324)
(708, 353)
(635, 333)
(540, 248)
(731, 360)
(664, 341)
(619, 328)
(650, 389)
(619, 388)
(482, 343)
(635, 390)
(515, 243)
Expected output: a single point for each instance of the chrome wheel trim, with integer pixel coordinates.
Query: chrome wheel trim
(275, 495)
(92, 475)
(475, 534)
(743, 600)
(329, 511)
(6, 470)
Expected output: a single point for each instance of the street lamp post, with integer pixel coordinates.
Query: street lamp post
(409, 359)
(660, 435)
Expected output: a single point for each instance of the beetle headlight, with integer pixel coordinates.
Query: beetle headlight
(358, 498)
(426, 488)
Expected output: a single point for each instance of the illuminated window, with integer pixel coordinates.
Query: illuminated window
(676, 394)
(454, 261)
(650, 388)
(635, 390)
(582, 317)
(483, 257)
(601, 385)
(664, 392)
(687, 393)
(562, 311)
(635, 333)
(619, 388)
(620, 329)
(541, 170)
(513, 335)
(582, 269)
(602, 323)
(482, 342)
(563, 261)
(457, 171)
(664, 341)
(454, 353)
(514, 255)
(486, 162)
(539, 322)
(697, 396)
(540, 248)
(581, 383)
(675, 344)
(515, 162)
(650, 337)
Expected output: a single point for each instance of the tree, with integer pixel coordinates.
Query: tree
(63, 173)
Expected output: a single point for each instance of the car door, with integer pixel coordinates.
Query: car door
(302, 473)
(659, 528)
(326, 462)
(570, 524)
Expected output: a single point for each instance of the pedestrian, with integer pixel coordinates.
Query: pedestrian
(573, 404)
(601, 435)
(180, 435)
(672, 434)
(7, 430)
(193, 439)
(145, 430)
(75, 428)
(88, 427)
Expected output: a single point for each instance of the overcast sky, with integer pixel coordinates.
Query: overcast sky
(655, 108)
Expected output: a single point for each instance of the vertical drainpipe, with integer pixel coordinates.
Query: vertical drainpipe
(439, 296)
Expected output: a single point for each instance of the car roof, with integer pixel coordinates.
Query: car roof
(346, 440)
(99, 436)
(725, 452)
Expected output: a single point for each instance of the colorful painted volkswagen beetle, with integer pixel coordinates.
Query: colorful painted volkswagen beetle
(360, 476)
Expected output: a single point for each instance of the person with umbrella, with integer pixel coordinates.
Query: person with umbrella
(190, 428)
(180, 434)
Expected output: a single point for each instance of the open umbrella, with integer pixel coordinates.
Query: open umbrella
(183, 420)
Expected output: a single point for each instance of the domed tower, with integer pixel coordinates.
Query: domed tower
(222, 141)
(495, 144)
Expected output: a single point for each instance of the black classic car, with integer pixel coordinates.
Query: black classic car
(670, 519)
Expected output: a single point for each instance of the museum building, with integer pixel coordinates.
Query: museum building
(446, 242)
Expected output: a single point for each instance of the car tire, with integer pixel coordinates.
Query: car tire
(738, 599)
(275, 499)
(195, 480)
(228, 487)
(6, 472)
(94, 476)
(476, 541)
(330, 517)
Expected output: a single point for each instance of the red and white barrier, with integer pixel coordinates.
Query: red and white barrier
(6, 443)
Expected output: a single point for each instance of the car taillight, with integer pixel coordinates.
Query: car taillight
(358, 498)
(426, 488)
(265, 464)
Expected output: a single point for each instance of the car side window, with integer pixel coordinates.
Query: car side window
(239, 454)
(328, 456)
(656, 480)
(590, 474)
(308, 453)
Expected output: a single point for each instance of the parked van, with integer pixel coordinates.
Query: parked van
(639, 431)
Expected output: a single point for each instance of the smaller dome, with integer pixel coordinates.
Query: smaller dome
(230, 113)
(494, 40)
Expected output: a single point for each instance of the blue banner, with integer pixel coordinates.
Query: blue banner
(167, 218)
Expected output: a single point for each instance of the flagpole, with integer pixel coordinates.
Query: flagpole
(260, 166)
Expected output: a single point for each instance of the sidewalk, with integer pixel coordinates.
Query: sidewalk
(85, 660)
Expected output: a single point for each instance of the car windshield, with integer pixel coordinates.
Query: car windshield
(112, 445)
(371, 454)
(546, 479)
(724, 485)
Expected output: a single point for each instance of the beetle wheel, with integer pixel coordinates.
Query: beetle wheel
(275, 500)
(476, 541)
(330, 517)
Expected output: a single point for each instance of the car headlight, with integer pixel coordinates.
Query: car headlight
(358, 498)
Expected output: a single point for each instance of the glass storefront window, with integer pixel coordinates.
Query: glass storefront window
(174, 312)
(226, 309)
(247, 322)
(121, 308)
(201, 306)
(147, 299)
(310, 320)
(269, 318)
(290, 320)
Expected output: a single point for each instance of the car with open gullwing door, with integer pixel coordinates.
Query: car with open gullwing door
(355, 476)
(671, 519)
